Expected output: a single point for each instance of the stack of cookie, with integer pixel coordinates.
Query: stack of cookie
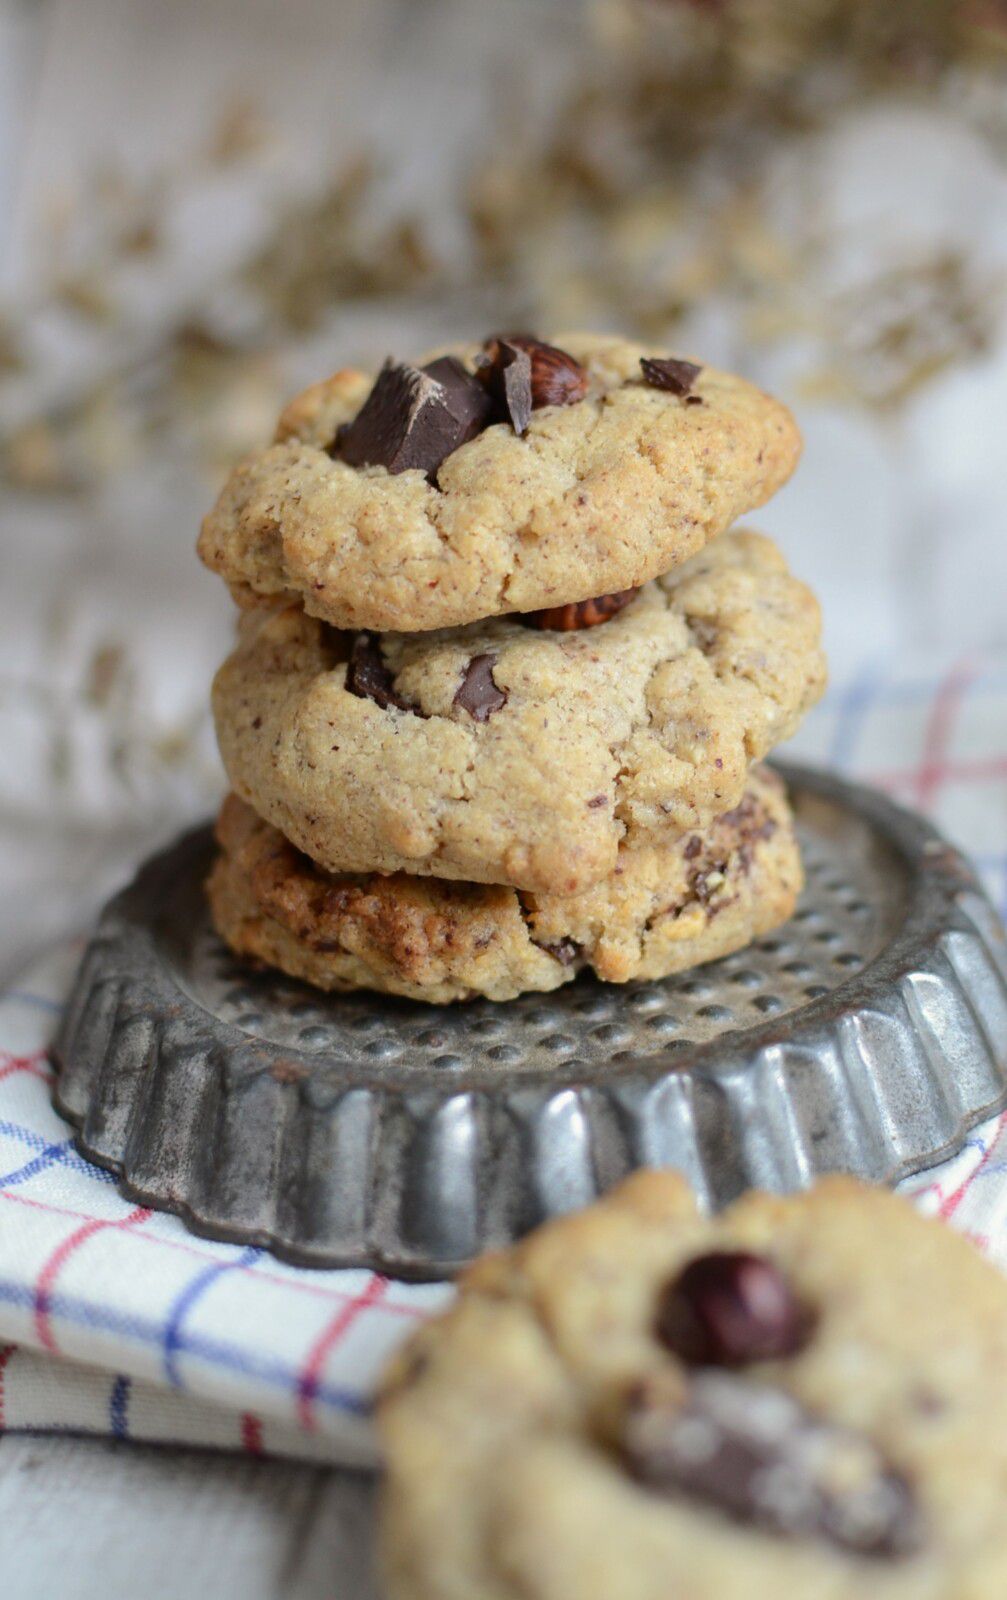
(504, 679)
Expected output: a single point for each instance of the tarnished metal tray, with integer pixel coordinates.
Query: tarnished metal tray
(868, 1035)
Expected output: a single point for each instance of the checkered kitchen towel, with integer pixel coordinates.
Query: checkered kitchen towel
(114, 1320)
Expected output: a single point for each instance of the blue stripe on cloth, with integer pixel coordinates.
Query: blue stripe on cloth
(64, 1152)
(910, 691)
(25, 997)
(193, 1290)
(851, 707)
(215, 1352)
(30, 1169)
(118, 1406)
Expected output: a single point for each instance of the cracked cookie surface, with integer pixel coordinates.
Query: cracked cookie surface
(597, 496)
(547, 1439)
(662, 910)
(498, 753)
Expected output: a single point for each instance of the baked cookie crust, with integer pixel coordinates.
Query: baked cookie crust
(544, 1442)
(662, 910)
(499, 753)
(595, 497)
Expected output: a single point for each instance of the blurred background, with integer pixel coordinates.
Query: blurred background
(205, 204)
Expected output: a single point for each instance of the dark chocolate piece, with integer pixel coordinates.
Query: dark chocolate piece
(367, 676)
(565, 951)
(412, 419)
(477, 693)
(465, 396)
(580, 613)
(507, 377)
(728, 1308)
(668, 373)
(756, 1455)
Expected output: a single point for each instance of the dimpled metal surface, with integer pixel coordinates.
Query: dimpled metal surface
(867, 1035)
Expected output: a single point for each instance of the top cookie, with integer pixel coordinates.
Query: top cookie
(643, 460)
(798, 1398)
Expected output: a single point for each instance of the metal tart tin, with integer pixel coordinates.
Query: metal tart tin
(866, 1036)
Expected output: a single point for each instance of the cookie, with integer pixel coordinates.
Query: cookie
(662, 910)
(802, 1397)
(499, 753)
(594, 496)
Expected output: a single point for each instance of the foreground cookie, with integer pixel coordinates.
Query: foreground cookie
(567, 475)
(506, 754)
(800, 1400)
(662, 910)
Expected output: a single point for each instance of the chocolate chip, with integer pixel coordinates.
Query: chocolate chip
(579, 614)
(693, 847)
(756, 1455)
(565, 951)
(728, 1308)
(557, 379)
(477, 693)
(666, 372)
(506, 375)
(367, 676)
(465, 396)
(704, 885)
(750, 819)
(413, 418)
(597, 800)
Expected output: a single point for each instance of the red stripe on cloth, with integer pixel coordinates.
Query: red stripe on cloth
(950, 1205)
(317, 1290)
(251, 1434)
(307, 1384)
(30, 1064)
(977, 771)
(932, 771)
(5, 1354)
(58, 1259)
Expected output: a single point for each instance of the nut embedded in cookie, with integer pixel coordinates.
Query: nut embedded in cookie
(428, 498)
(500, 753)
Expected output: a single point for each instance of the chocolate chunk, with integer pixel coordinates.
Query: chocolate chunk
(465, 396)
(750, 819)
(756, 1455)
(579, 614)
(728, 1308)
(507, 377)
(477, 693)
(412, 419)
(704, 885)
(677, 377)
(556, 378)
(565, 951)
(367, 676)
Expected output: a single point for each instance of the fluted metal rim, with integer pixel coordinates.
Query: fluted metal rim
(883, 1075)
